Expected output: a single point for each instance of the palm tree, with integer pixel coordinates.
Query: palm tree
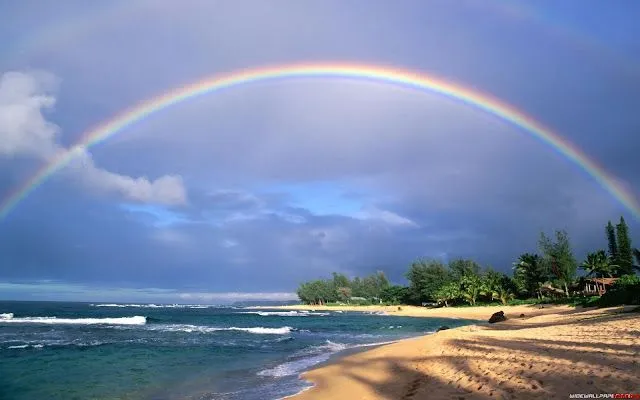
(471, 288)
(447, 292)
(503, 294)
(597, 263)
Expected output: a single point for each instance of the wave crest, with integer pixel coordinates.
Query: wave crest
(136, 320)
(259, 330)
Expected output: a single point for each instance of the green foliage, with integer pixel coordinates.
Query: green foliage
(425, 278)
(395, 295)
(503, 294)
(558, 257)
(317, 292)
(470, 288)
(461, 267)
(450, 291)
(529, 274)
(341, 289)
(612, 242)
(598, 264)
(625, 291)
(627, 280)
(625, 253)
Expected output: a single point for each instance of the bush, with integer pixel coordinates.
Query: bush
(625, 291)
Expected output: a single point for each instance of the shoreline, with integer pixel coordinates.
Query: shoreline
(477, 313)
(335, 358)
(552, 352)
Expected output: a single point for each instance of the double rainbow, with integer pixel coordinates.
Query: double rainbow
(394, 76)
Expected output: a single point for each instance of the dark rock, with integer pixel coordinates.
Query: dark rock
(443, 328)
(497, 317)
(521, 315)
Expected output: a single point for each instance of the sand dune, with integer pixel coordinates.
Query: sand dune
(557, 352)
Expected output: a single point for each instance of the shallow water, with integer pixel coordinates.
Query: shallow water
(139, 352)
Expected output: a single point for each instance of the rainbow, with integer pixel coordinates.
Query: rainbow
(394, 76)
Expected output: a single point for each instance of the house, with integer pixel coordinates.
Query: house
(597, 286)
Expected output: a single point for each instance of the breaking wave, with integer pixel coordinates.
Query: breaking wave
(311, 356)
(114, 305)
(9, 318)
(259, 330)
(284, 313)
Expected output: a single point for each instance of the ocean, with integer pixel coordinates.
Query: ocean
(65, 351)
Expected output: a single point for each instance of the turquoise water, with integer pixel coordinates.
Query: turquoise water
(95, 351)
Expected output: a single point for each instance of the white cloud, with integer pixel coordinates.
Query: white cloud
(386, 217)
(24, 131)
(167, 189)
(23, 128)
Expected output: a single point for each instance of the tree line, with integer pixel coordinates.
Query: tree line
(553, 270)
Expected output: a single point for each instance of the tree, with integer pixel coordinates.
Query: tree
(529, 269)
(425, 278)
(448, 292)
(490, 282)
(357, 288)
(613, 243)
(344, 293)
(462, 267)
(598, 264)
(380, 283)
(470, 288)
(504, 291)
(558, 257)
(340, 280)
(625, 253)
(636, 254)
(395, 294)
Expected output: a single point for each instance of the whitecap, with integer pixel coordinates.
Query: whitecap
(209, 329)
(275, 313)
(137, 320)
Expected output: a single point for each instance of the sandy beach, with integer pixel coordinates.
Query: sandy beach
(550, 353)
(479, 313)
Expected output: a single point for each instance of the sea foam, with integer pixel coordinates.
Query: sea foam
(137, 320)
(259, 330)
(284, 313)
(114, 305)
(311, 356)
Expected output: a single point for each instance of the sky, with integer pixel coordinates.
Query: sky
(243, 194)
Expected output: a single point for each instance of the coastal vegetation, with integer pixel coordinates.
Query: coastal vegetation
(551, 276)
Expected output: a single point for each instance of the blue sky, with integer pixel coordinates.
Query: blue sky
(243, 194)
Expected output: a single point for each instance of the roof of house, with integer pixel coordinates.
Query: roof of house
(603, 281)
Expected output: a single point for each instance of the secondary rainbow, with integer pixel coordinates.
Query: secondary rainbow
(390, 75)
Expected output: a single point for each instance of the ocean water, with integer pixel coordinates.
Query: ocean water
(65, 351)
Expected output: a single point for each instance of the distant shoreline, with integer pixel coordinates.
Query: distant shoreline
(473, 313)
(551, 352)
